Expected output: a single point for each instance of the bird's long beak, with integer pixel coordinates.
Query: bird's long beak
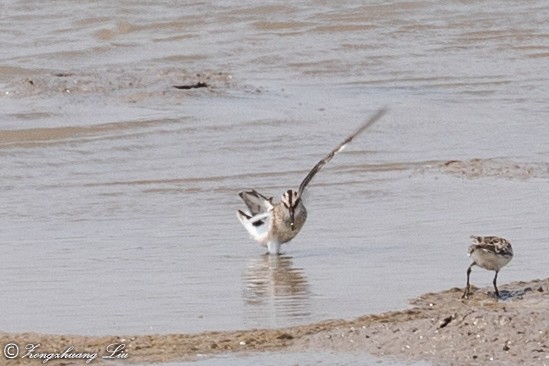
(292, 220)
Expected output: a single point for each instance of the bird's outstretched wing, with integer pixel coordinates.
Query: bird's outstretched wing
(257, 221)
(256, 202)
(339, 147)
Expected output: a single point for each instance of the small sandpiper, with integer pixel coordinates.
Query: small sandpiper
(273, 224)
(491, 253)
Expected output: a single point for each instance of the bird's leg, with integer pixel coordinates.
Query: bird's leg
(466, 292)
(495, 286)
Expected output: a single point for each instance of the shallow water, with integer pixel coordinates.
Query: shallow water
(297, 358)
(118, 191)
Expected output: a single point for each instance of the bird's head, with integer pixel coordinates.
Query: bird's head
(290, 200)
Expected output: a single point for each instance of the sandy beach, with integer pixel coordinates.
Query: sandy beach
(440, 328)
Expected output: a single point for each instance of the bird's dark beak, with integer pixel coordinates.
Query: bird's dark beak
(292, 220)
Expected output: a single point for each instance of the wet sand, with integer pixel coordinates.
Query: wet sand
(440, 328)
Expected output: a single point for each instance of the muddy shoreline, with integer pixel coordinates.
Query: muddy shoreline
(439, 328)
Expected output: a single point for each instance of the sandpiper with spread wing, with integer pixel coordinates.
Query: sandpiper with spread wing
(273, 224)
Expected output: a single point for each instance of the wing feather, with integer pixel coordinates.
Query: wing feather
(256, 202)
(339, 148)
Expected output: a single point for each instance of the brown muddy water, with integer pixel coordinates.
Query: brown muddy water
(118, 191)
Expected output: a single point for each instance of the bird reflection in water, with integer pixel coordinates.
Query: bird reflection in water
(275, 293)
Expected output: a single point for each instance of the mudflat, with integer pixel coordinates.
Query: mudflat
(440, 328)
